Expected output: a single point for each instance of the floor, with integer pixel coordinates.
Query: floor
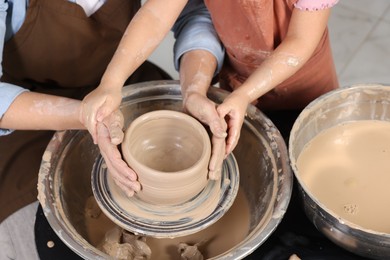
(360, 37)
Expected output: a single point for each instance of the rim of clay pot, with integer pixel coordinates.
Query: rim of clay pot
(168, 114)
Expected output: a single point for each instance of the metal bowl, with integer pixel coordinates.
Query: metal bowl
(265, 175)
(358, 102)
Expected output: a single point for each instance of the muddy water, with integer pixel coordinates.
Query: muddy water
(227, 232)
(347, 168)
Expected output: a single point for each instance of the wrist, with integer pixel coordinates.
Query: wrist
(192, 93)
(111, 83)
(243, 96)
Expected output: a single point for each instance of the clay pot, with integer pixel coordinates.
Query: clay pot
(170, 152)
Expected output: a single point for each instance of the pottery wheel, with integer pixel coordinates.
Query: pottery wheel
(164, 221)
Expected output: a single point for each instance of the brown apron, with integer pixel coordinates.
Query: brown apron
(250, 30)
(58, 50)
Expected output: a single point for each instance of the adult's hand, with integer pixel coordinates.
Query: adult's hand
(109, 135)
(202, 108)
(97, 105)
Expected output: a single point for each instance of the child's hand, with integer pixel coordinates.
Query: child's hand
(96, 106)
(204, 109)
(109, 135)
(233, 109)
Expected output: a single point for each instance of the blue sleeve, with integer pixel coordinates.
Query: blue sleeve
(8, 92)
(194, 30)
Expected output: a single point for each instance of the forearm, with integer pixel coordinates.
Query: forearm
(196, 72)
(305, 32)
(34, 111)
(284, 62)
(146, 30)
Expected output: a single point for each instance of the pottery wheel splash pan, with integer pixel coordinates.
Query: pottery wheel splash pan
(142, 218)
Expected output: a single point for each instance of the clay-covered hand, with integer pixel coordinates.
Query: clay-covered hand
(233, 109)
(202, 108)
(97, 105)
(109, 135)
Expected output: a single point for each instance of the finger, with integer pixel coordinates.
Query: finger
(118, 175)
(105, 110)
(233, 137)
(211, 118)
(114, 123)
(133, 185)
(118, 118)
(126, 190)
(217, 157)
(92, 130)
(119, 167)
(218, 127)
(234, 126)
(231, 144)
(112, 155)
(116, 135)
(224, 112)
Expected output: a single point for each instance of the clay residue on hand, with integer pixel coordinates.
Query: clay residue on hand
(62, 107)
(261, 87)
(289, 59)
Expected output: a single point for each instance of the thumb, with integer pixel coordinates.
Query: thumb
(218, 127)
(223, 110)
(116, 135)
(104, 111)
(115, 122)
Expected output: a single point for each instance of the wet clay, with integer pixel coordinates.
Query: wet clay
(223, 235)
(170, 152)
(347, 168)
(97, 224)
(195, 209)
(123, 245)
(111, 239)
(190, 252)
